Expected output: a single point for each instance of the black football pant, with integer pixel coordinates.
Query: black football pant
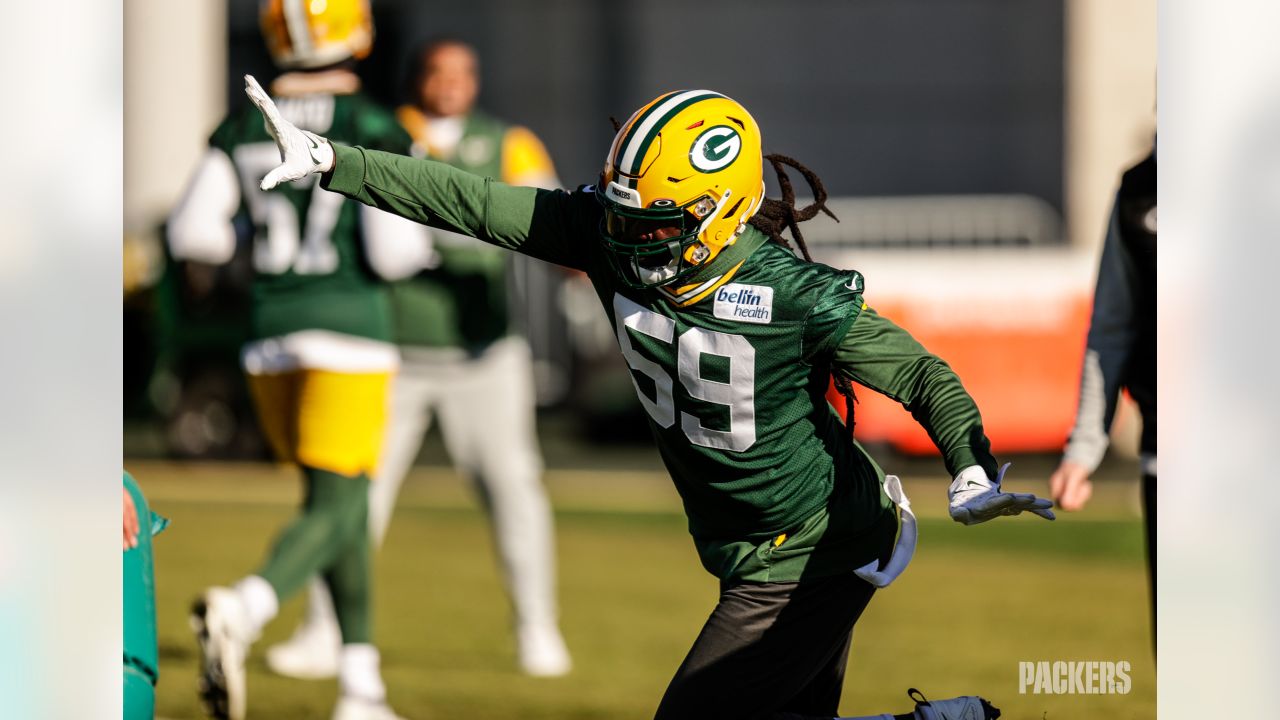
(770, 651)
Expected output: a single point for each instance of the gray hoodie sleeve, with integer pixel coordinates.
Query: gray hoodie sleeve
(1111, 336)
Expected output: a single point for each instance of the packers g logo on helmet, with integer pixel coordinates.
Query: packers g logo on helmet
(715, 149)
(683, 176)
(316, 33)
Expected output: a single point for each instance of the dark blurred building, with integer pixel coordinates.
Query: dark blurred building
(880, 97)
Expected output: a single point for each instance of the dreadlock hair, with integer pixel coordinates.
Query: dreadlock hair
(776, 216)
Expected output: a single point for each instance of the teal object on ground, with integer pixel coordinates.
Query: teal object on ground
(141, 662)
(139, 695)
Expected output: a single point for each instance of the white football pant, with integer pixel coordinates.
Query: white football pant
(486, 410)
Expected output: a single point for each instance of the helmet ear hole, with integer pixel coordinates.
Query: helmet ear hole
(733, 210)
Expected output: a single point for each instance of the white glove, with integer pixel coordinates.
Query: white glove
(301, 153)
(975, 498)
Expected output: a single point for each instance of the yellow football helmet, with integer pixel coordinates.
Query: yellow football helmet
(316, 33)
(683, 176)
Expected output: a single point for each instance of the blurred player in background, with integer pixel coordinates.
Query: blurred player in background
(321, 365)
(732, 340)
(461, 361)
(1120, 352)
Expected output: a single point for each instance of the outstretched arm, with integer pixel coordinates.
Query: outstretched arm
(544, 224)
(541, 223)
(880, 355)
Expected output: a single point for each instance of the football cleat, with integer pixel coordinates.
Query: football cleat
(683, 176)
(350, 707)
(222, 629)
(542, 652)
(311, 654)
(965, 707)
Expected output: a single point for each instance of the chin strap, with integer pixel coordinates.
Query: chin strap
(716, 273)
(904, 548)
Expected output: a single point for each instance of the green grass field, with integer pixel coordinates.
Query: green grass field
(973, 604)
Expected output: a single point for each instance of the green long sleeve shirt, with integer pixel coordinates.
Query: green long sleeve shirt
(734, 385)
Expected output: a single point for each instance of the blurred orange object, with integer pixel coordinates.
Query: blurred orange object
(1013, 328)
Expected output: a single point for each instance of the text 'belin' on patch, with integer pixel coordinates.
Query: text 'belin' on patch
(745, 303)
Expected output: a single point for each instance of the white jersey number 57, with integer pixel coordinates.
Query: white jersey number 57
(280, 245)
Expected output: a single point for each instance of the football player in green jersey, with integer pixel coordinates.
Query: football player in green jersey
(322, 360)
(460, 361)
(731, 339)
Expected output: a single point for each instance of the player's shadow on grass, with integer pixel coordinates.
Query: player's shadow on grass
(176, 652)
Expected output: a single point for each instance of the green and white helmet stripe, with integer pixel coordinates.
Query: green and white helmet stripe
(635, 145)
(295, 20)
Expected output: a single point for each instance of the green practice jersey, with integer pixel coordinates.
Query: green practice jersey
(734, 385)
(311, 269)
(463, 301)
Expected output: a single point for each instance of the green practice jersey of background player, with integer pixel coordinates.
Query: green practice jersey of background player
(324, 281)
(463, 301)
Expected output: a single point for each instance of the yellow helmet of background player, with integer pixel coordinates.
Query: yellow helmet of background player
(683, 176)
(316, 33)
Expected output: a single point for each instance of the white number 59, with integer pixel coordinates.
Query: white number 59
(738, 394)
